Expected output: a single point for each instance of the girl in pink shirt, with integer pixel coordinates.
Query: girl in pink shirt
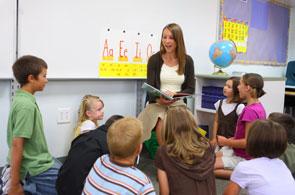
(250, 88)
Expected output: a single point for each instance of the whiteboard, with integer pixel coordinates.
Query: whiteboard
(66, 33)
(7, 37)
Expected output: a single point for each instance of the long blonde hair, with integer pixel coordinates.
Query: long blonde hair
(180, 46)
(181, 136)
(86, 105)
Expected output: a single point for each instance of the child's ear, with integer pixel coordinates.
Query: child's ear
(248, 88)
(30, 78)
(87, 113)
(138, 149)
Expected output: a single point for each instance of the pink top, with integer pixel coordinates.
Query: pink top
(249, 114)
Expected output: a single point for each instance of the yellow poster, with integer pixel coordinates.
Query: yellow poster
(122, 70)
(237, 32)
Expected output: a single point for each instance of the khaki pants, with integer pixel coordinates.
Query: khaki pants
(150, 115)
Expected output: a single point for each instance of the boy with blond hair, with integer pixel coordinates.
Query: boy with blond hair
(28, 157)
(115, 173)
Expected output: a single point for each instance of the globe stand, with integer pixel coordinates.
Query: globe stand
(220, 73)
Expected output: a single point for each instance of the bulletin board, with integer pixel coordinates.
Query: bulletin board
(259, 29)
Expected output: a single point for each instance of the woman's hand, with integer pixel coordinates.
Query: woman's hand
(165, 101)
(169, 93)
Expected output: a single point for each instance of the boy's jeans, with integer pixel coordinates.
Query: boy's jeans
(44, 183)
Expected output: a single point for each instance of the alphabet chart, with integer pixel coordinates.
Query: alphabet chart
(124, 54)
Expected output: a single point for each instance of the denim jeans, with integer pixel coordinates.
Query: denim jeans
(44, 183)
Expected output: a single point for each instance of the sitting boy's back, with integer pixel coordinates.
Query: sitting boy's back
(85, 150)
(116, 173)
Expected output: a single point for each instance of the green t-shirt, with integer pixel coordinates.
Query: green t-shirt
(25, 121)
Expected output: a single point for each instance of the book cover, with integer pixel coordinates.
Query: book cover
(156, 92)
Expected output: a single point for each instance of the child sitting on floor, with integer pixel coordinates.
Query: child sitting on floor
(250, 89)
(288, 122)
(266, 173)
(90, 111)
(115, 173)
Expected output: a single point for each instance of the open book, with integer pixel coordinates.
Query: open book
(156, 92)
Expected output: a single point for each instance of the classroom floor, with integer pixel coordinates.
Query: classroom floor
(146, 164)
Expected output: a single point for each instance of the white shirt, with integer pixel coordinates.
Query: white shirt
(170, 79)
(87, 126)
(227, 108)
(264, 176)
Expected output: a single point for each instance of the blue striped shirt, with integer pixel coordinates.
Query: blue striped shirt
(106, 177)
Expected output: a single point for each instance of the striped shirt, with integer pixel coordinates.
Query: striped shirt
(106, 177)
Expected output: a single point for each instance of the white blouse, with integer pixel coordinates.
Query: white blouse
(170, 79)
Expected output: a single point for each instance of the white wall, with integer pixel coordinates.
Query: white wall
(67, 33)
(7, 56)
(7, 36)
(5, 103)
(199, 38)
(119, 98)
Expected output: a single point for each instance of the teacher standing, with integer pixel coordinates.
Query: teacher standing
(171, 70)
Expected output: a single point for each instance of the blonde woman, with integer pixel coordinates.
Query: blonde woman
(171, 70)
(90, 111)
(186, 157)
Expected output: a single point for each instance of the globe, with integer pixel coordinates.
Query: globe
(222, 53)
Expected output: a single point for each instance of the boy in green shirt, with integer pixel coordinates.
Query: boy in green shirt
(28, 157)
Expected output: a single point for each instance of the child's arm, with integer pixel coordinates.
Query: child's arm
(163, 182)
(16, 159)
(232, 189)
(214, 130)
(235, 143)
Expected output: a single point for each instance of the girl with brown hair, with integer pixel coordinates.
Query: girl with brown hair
(185, 162)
